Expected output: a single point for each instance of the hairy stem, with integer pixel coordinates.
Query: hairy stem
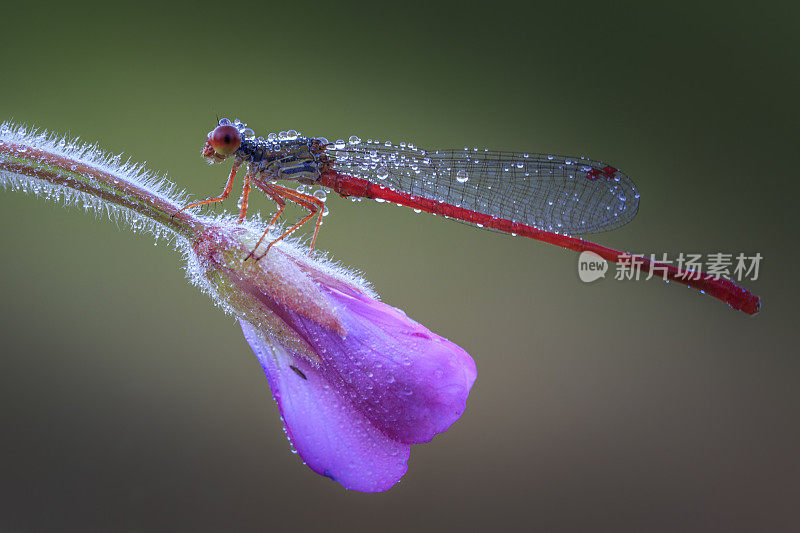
(114, 189)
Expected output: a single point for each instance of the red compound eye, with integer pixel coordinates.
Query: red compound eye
(225, 139)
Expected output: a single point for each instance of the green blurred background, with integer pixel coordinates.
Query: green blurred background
(129, 403)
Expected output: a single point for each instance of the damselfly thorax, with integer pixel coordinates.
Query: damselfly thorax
(291, 158)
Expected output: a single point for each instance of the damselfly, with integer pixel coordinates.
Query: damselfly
(540, 196)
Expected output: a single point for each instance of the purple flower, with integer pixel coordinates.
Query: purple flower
(356, 381)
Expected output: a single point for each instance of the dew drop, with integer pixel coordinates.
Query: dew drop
(354, 139)
(461, 176)
(383, 173)
(320, 194)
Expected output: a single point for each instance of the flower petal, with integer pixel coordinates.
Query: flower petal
(410, 382)
(332, 436)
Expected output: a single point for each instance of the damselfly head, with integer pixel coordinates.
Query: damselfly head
(225, 139)
(222, 141)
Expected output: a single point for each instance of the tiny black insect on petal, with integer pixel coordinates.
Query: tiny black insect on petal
(298, 371)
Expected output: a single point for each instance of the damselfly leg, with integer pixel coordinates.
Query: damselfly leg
(278, 200)
(221, 197)
(245, 193)
(314, 205)
(277, 193)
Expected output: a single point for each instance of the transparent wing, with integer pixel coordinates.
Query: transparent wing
(572, 195)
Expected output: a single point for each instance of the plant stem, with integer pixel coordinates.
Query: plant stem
(65, 172)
